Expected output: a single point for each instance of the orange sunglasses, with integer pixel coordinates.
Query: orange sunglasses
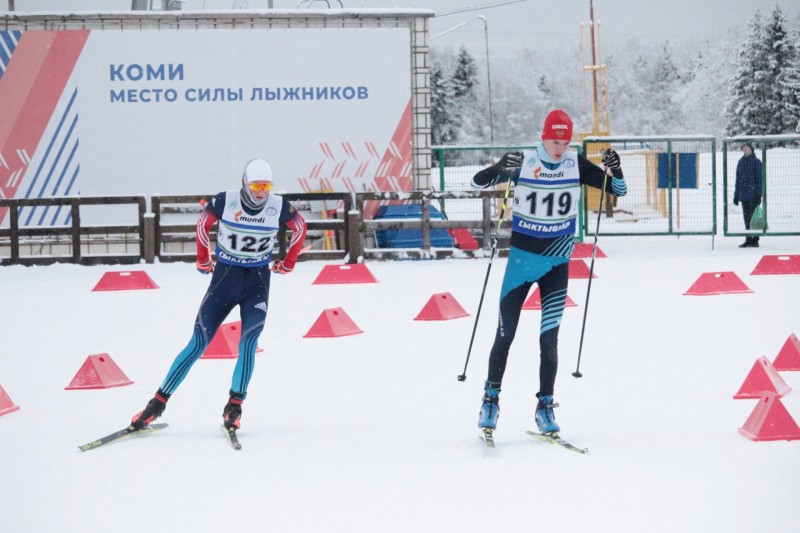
(263, 186)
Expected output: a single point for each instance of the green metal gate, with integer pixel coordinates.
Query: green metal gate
(671, 181)
(780, 183)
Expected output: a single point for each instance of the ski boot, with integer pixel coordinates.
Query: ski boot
(154, 409)
(232, 413)
(545, 419)
(490, 409)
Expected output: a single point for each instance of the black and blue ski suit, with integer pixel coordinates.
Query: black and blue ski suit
(544, 221)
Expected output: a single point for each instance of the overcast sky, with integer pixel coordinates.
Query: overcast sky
(512, 24)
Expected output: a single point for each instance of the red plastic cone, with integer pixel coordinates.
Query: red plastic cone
(441, 306)
(789, 356)
(6, 405)
(333, 323)
(125, 281)
(777, 264)
(225, 344)
(98, 372)
(579, 270)
(583, 250)
(332, 274)
(762, 378)
(534, 301)
(711, 283)
(770, 421)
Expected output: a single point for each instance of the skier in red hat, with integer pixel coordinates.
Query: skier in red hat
(544, 219)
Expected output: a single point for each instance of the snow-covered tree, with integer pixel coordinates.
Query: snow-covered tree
(472, 113)
(748, 110)
(444, 125)
(708, 74)
(465, 77)
(785, 71)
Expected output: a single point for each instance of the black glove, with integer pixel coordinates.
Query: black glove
(735, 200)
(509, 161)
(758, 200)
(611, 159)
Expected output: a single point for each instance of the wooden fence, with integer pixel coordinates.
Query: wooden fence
(167, 231)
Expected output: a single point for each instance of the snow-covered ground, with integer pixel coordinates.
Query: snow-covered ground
(373, 432)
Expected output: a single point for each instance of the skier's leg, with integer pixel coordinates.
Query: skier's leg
(553, 290)
(253, 312)
(219, 300)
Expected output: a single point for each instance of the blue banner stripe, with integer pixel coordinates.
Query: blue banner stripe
(66, 193)
(47, 152)
(7, 47)
(11, 38)
(60, 179)
(53, 165)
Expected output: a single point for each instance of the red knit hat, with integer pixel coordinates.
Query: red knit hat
(557, 126)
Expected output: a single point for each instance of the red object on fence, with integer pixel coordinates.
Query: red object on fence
(463, 239)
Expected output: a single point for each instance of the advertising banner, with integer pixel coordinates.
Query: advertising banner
(125, 112)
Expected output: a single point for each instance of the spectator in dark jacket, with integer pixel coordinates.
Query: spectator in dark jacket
(748, 189)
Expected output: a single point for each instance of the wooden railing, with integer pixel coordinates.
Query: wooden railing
(349, 233)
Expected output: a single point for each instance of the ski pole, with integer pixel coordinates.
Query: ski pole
(577, 372)
(463, 375)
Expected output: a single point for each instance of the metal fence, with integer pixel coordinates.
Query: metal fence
(780, 158)
(671, 184)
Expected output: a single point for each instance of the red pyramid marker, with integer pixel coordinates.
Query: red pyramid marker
(789, 356)
(441, 306)
(125, 281)
(333, 274)
(98, 372)
(762, 378)
(534, 301)
(579, 270)
(225, 344)
(777, 264)
(770, 421)
(583, 250)
(711, 283)
(6, 405)
(333, 323)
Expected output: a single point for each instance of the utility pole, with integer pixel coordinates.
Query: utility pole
(594, 65)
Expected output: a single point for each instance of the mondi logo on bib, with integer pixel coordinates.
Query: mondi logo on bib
(239, 217)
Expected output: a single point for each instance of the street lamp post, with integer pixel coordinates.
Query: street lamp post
(488, 74)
